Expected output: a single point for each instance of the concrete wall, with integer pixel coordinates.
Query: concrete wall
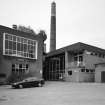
(74, 77)
(98, 70)
(86, 77)
(78, 76)
(91, 60)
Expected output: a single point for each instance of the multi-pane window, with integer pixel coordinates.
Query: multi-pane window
(20, 68)
(87, 70)
(78, 58)
(19, 46)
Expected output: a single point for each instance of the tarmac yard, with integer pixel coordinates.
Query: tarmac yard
(55, 93)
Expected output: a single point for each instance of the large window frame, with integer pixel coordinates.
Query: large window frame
(19, 46)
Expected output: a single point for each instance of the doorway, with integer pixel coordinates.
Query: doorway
(54, 68)
(103, 76)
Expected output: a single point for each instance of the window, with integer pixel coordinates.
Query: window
(92, 70)
(19, 46)
(87, 70)
(2, 75)
(75, 58)
(20, 68)
(82, 70)
(69, 72)
(103, 56)
(80, 58)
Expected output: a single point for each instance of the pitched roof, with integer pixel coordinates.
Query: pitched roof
(76, 47)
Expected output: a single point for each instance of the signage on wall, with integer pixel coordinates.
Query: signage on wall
(21, 60)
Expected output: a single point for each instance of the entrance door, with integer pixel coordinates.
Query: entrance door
(54, 68)
(103, 76)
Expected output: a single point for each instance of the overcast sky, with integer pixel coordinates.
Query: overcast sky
(77, 20)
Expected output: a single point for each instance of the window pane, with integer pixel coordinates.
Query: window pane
(70, 72)
(6, 44)
(10, 45)
(6, 36)
(10, 37)
(14, 38)
(25, 54)
(25, 41)
(10, 52)
(75, 58)
(19, 53)
(26, 65)
(34, 50)
(34, 43)
(14, 52)
(13, 66)
(29, 41)
(22, 47)
(6, 52)
(18, 46)
(80, 58)
(14, 45)
(25, 48)
(18, 39)
(22, 40)
(29, 48)
(82, 70)
(30, 55)
(34, 56)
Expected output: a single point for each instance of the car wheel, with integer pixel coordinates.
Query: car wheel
(20, 86)
(39, 84)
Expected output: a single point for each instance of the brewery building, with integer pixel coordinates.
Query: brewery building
(21, 54)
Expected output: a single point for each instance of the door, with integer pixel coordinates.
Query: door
(103, 76)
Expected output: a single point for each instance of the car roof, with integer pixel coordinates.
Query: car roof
(29, 78)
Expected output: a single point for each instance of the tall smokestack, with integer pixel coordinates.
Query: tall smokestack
(53, 27)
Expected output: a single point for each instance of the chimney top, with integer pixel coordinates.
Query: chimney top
(53, 9)
(53, 2)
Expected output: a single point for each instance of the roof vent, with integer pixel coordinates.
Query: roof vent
(14, 26)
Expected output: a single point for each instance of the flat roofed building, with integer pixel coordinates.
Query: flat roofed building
(73, 63)
(21, 54)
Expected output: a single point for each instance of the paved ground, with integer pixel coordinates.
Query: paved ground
(55, 93)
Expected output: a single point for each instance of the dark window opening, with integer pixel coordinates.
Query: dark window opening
(82, 70)
(26, 65)
(2, 75)
(70, 72)
(87, 70)
(13, 65)
(80, 58)
(91, 71)
(20, 65)
(75, 58)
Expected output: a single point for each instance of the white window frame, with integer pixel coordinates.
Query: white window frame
(36, 47)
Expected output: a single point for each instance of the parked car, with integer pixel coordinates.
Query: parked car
(29, 82)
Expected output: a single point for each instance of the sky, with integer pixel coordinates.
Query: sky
(76, 20)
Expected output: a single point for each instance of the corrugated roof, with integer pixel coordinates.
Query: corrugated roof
(77, 47)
